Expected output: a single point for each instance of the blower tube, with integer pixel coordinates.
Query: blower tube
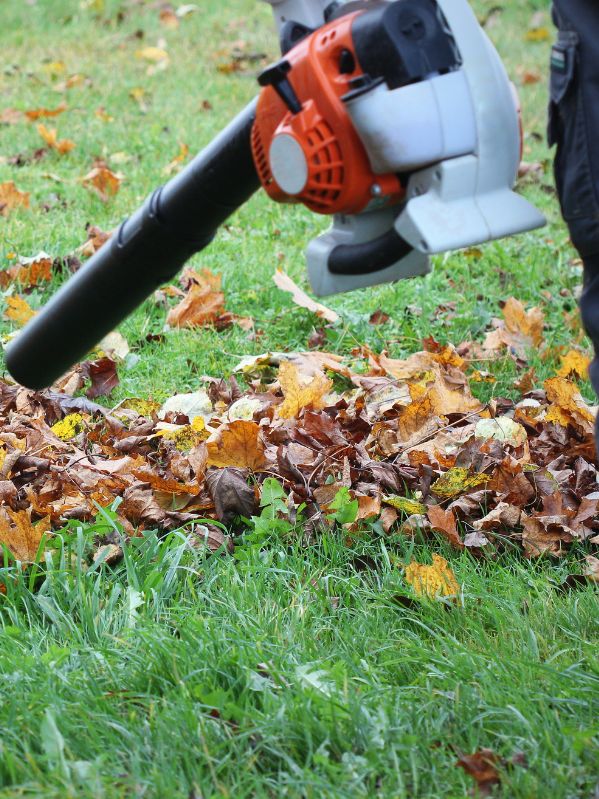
(176, 221)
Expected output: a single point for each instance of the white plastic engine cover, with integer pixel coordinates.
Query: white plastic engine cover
(416, 125)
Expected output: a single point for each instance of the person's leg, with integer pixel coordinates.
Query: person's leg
(574, 127)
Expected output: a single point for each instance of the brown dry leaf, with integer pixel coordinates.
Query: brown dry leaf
(97, 238)
(177, 161)
(10, 116)
(519, 330)
(29, 272)
(379, 317)
(368, 506)
(443, 521)
(11, 198)
(388, 518)
(574, 364)
(103, 376)
(526, 382)
(39, 113)
(504, 515)
(530, 76)
(169, 19)
(300, 297)
(49, 135)
(201, 306)
(103, 181)
(18, 310)
(237, 444)
(301, 391)
(24, 538)
(591, 568)
(71, 82)
(433, 581)
(543, 535)
(231, 494)
(482, 766)
(519, 321)
(568, 405)
(510, 484)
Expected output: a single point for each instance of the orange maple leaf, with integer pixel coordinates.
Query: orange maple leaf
(300, 390)
(237, 444)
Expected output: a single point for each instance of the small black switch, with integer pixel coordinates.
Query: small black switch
(347, 62)
(276, 76)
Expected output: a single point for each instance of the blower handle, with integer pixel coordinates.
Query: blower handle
(176, 221)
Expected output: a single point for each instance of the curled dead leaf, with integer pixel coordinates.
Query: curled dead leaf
(300, 297)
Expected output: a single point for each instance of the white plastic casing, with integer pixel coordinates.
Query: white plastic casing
(416, 125)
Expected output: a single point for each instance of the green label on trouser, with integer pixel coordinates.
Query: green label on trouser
(558, 59)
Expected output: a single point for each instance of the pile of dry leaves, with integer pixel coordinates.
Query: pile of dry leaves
(406, 438)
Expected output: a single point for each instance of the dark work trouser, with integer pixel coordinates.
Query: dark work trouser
(574, 127)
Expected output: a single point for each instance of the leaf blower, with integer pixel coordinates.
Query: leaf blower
(396, 118)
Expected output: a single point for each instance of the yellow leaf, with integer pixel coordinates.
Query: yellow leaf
(139, 95)
(568, 405)
(574, 363)
(433, 581)
(155, 54)
(409, 506)
(69, 427)
(300, 391)
(237, 444)
(11, 198)
(537, 35)
(54, 68)
(188, 436)
(456, 481)
(18, 310)
(141, 406)
(49, 136)
(24, 539)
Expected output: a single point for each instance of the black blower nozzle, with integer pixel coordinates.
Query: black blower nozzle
(176, 221)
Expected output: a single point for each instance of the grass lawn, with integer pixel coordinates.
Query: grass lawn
(283, 670)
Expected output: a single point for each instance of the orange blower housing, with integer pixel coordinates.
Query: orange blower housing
(322, 161)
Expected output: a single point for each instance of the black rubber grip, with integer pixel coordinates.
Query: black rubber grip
(368, 256)
(176, 221)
